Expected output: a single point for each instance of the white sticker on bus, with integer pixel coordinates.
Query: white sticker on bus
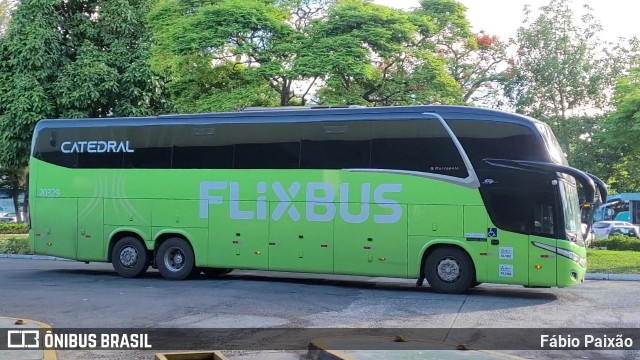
(506, 253)
(505, 270)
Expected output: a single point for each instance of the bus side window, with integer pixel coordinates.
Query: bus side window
(509, 211)
(276, 155)
(543, 219)
(335, 154)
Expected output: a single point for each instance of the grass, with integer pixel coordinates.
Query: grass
(14, 244)
(613, 262)
(13, 236)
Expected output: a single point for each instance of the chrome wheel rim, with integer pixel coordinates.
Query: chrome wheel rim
(128, 256)
(174, 259)
(448, 270)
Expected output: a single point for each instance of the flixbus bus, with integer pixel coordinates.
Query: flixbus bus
(454, 195)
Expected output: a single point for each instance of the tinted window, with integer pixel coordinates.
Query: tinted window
(335, 154)
(148, 158)
(416, 145)
(58, 158)
(491, 139)
(526, 213)
(340, 145)
(202, 157)
(267, 156)
(507, 210)
(100, 160)
(543, 214)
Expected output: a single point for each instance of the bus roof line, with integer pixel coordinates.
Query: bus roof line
(291, 116)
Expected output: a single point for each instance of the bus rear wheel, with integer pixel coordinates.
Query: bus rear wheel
(129, 257)
(175, 259)
(449, 270)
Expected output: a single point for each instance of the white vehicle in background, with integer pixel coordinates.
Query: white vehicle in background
(8, 217)
(602, 229)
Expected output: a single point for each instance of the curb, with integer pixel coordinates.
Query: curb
(46, 354)
(319, 349)
(32, 257)
(617, 277)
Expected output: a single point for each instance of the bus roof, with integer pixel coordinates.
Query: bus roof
(291, 114)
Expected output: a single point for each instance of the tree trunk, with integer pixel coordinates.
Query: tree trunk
(15, 194)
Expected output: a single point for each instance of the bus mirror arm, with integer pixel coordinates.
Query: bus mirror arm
(538, 166)
(588, 181)
(602, 187)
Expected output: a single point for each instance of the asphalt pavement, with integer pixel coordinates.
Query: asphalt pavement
(69, 294)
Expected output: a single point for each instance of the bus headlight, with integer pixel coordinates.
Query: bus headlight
(563, 252)
(571, 255)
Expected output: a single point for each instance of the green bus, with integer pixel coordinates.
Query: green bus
(455, 195)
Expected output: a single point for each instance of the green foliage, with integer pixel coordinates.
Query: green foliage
(622, 131)
(73, 59)
(222, 55)
(13, 228)
(243, 52)
(618, 242)
(558, 71)
(372, 56)
(14, 245)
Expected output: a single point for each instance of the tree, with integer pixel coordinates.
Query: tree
(255, 42)
(559, 71)
(373, 57)
(73, 59)
(475, 61)
(621, 132)
(197, 80)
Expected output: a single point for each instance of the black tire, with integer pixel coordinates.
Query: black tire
(130, 257)
(449, 270)
(175, 259)
(213, 272)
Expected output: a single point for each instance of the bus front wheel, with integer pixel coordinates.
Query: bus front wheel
(449, 270)
(175, 259)
(129, 257)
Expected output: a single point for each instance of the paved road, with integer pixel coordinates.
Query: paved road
(69, 294)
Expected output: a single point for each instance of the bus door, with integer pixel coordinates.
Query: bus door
(542, 261)
(507, 237)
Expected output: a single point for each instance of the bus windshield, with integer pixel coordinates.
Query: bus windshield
(557, 155)
(571, 211)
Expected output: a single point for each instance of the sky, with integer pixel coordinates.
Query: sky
(503, 17)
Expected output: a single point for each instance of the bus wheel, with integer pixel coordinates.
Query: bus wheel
(449, 270)
(175, 259)
(129, 257)
(213, 272)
